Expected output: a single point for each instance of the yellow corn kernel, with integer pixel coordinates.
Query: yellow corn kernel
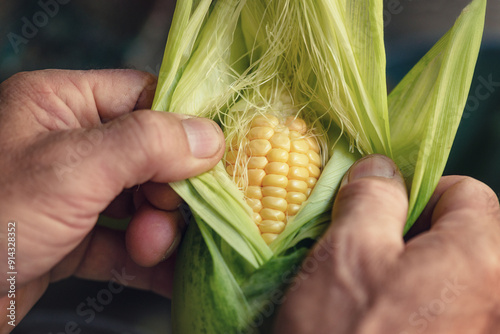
(265, 121)
(275, 203)
(233, 171)
(314, 158)
(299, 146)
(311, 182)
(298, 173)
(231, 157)
(254, 204)
(277, 155)
(280, 164)
(271, 226)
(298, 159)
(278, 168)
(255, 177)
(295, 135)
(269, 237)
(292, 209)
(295, 198)
(297, 185)
(275, 180)
(259, 147)
(260, 132)
(313, 171)
(271, 214)
(280, 140)
(254, 192)
(296, 124)
(257, 162)
(235, 144)
(274, 191)
(313, 144)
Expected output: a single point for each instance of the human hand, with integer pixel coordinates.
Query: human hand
(362, 277)
(72, 148)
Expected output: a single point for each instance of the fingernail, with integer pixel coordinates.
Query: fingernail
(204, 137)
(173, 246)
(372, 165)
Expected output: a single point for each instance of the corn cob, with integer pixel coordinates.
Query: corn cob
(227, 60)
(276, 167)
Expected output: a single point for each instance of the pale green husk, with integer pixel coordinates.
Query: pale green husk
(329, 56)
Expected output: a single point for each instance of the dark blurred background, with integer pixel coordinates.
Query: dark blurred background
(89, 34)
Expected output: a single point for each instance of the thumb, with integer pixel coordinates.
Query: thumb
(138, 147)
(367, 225)
(369, 212)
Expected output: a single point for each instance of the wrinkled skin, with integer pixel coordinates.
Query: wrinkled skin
(362, 278)
(75, 144)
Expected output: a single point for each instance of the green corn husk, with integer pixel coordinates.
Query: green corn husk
(329, 55)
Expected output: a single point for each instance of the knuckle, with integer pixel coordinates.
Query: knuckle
(371, 190)
(149, 134)
(11, 84)
(468, 182)
(144, 132)
(29, 84)
(481, 193)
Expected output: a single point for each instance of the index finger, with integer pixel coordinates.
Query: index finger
(79, 98)
(468, 203)
(423, 222)
(463, 211)
(369, 213)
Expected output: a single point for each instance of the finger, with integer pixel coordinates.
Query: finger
(465, 227)
(161, 195)
(423, 222)
(109, 93)
(70, 99)
(365, 234)
(465, 201)
(118, 92)
(158, 146)
(104, 258)
(369, 212)
(141, 146)
(153, 235)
